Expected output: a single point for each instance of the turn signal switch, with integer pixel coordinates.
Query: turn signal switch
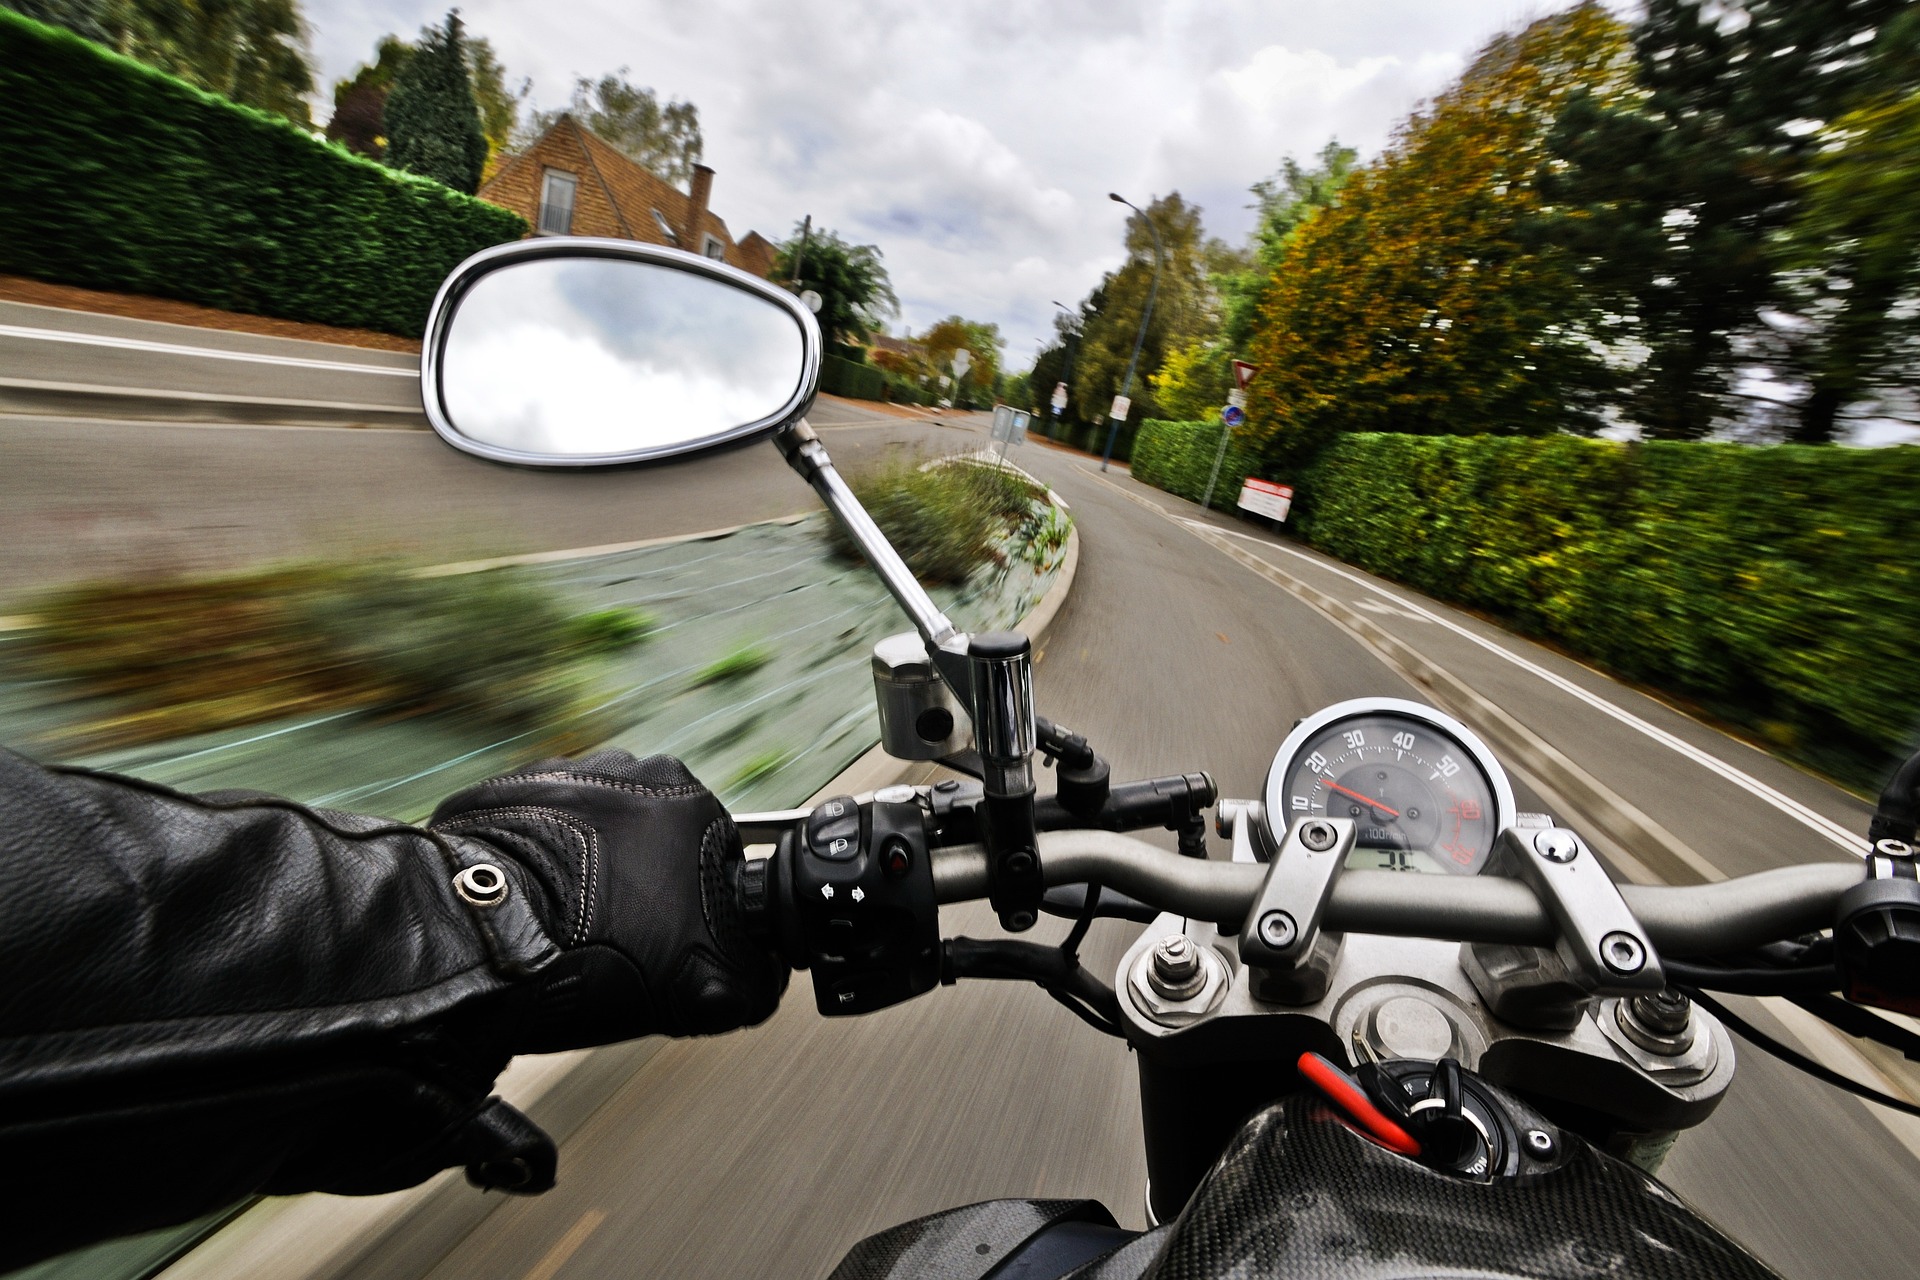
(850, 896)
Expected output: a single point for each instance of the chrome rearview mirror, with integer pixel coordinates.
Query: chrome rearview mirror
(580, 352)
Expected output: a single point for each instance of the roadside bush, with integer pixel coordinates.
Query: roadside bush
(946, 521)
(152, 660)
(124, 178)
(1178, 457)
(1778, 587)
(856, 381)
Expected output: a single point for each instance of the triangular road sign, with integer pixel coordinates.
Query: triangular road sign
(1242, 373)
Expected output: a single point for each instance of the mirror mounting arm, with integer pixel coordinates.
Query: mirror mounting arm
(990, 674)
(946, 644)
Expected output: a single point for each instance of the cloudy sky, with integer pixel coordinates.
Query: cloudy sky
(975, 141)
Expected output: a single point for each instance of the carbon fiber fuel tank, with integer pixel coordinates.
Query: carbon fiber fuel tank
(1299, 1195)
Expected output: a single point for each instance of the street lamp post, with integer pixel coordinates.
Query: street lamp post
(1153, 290)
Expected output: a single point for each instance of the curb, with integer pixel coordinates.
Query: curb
(404, 1234)
(80, 400)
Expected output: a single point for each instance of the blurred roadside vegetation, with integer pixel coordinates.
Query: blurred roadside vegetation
(1697, 221)
(949, 519)
(145, 661)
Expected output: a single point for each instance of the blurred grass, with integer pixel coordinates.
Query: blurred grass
(145, 661)
(947, 520)
(737, 663)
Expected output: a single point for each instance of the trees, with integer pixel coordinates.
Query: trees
(360, 103)
(663, 139)
(1681, 189)
(1185, 307)
(948, 337)
(855, 293)
(253, 52)
(1426, 299)
(433, 126)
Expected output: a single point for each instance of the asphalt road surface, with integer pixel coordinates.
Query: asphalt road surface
(769, 1152)
(88, 499)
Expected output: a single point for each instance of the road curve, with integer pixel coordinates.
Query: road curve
(768, 1152)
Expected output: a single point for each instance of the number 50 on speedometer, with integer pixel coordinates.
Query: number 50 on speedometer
(1424, 793)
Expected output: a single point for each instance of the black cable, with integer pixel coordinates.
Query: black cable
(1792, 1057)
(1753, 981)
(1861, 1024)
(1083, 1013)
(1071, 944)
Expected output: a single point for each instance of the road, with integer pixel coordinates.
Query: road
(769, 1152)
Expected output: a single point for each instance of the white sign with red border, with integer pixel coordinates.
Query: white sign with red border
(1243, 374)
(1263, 499)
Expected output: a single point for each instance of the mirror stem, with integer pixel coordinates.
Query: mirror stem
(805, 454)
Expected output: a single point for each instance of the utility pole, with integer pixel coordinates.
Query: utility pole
(800, 254)
(1124, 400)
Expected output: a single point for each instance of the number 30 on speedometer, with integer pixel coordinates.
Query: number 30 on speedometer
(1424, 792)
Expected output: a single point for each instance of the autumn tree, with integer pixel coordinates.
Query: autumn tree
(358, 122)
(856, 294)
(982, 342)
(1195, 380)
(433, 125)
(661, 138)
(1425, 299)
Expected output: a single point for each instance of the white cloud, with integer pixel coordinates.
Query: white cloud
(975, 141)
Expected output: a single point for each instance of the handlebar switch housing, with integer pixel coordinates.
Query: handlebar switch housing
(1876, 933)
(859, 883)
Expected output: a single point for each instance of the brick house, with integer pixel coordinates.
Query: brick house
(572, 182)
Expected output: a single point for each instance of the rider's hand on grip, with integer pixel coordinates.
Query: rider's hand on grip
(629, 866)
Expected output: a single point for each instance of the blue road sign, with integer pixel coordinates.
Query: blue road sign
(1233, 415)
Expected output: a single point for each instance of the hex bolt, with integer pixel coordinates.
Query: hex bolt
(1278, 930)
(1539, 1144)
(1622, 953)
(1176, 971)
(1557, 846)
(1318, 836)
(1666, 1013)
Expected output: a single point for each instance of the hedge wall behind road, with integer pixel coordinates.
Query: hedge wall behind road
(121, 177)
(1178, 457)
(1779, 587)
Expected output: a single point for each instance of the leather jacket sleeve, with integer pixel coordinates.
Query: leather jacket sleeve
(207, 997)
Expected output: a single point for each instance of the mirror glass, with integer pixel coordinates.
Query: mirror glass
(579, 357)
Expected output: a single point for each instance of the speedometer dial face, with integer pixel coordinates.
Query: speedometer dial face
(1424, 792)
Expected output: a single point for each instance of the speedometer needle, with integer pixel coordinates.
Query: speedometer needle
(1364, 799)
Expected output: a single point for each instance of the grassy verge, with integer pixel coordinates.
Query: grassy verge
(146, 661)
(948, 521)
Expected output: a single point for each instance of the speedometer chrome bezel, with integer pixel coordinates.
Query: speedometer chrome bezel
(1505, 811)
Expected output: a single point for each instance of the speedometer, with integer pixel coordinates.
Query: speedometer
(1425, 793)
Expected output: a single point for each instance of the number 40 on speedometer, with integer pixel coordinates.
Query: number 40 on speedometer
(1424, 793)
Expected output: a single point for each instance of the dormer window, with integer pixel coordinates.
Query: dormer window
(556, 203)
(715, 248)
(666, 228)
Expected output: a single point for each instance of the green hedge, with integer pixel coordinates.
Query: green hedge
(1778, 587)
(1178, 457)
(121, 177)
(857, 381)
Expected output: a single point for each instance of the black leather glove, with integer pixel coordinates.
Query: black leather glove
(629, 865)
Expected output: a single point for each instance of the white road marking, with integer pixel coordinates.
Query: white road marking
(202, 353)
(1819, 823)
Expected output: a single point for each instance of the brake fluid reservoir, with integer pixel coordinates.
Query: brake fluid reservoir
(919, 717)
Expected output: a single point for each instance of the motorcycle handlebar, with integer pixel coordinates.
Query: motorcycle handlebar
(1691, 920)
